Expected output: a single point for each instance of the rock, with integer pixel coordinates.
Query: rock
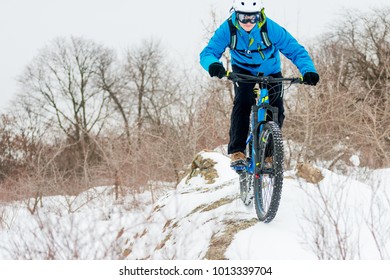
(308, 172)
(203, 167)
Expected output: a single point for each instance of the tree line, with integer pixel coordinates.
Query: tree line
(86, 116)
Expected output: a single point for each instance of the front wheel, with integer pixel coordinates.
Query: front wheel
(268, 181)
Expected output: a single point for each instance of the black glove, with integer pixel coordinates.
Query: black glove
(217, 69)
(311, 78)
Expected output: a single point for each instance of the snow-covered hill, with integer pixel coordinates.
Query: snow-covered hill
(203, 218)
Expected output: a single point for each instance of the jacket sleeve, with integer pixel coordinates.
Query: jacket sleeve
(216, 46)
(290, 47)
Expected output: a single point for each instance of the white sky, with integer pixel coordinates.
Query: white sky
(28, 25)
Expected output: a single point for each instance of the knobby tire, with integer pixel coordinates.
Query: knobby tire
(268, 181)
(246, 181)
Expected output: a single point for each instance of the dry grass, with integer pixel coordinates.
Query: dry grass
(221, 240)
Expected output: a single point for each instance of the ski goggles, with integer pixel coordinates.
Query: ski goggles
(245, 17)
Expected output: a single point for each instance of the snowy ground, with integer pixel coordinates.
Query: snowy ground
(341, 218)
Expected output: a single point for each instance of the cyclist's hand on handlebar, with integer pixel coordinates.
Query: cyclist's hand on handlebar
(216, 69)
(311, 78)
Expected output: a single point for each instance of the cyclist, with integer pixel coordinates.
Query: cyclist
(256, 52)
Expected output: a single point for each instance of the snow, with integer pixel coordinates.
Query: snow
(354, 159)
(343, 217)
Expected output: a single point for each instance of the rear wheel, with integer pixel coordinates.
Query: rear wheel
(246, 187)
(268, 178)
(246, 178)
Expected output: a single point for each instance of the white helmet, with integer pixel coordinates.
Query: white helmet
(247, 6)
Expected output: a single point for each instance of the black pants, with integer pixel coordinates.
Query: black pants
(243, 100)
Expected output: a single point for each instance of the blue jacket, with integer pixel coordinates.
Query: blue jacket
(251, 59)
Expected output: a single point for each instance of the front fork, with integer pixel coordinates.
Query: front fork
(259, 118)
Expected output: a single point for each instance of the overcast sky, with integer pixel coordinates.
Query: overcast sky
(28, 25)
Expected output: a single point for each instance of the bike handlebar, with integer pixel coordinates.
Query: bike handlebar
(236, 77)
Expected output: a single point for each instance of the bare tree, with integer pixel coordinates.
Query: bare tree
(366, 40)
(62, 80)
(110, 79)
(151, 83)
(348, 112)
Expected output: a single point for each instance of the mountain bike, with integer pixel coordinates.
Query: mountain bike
(261, 179)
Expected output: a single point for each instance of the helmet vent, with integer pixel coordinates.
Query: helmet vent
(247, 6)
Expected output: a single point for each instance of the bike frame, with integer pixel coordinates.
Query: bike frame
(259, 118)
(259, 111)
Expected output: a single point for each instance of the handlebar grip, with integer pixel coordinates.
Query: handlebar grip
(230, 75)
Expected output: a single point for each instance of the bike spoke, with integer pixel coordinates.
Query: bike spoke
(269, 177)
